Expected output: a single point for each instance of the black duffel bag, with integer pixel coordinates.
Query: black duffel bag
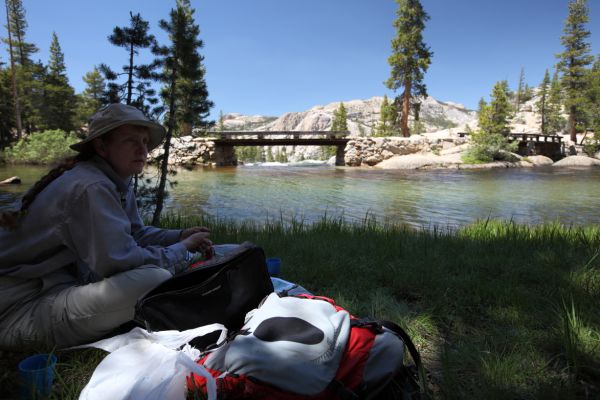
(222, 291)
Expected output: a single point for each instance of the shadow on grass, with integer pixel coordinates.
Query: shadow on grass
(498, 310)
(483, 303)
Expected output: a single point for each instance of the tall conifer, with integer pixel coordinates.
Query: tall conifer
(593, 98)
(29, 90)
(490, 141)
(573, 62)
(192, 93)
(59, 107)
(136, 89)
(185, 96)
(410, 57)
(95, 85)
(520, 90)
(15, 91)
(387, 115)
(340, 117)
(500, 109)
(18, 26)
(555, 121)
(7, 121)
(542, 104)
(91, 98)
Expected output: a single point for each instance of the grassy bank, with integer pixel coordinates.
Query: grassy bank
(498, 310)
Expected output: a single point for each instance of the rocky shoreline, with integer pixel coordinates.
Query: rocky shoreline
(441, 150)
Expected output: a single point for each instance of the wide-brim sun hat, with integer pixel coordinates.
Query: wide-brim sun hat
(114, 115)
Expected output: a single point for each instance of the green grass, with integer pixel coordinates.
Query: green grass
(498, 310)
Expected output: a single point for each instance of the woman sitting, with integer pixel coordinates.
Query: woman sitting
(77, 256)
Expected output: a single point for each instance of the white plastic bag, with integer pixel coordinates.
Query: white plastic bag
(148, 365)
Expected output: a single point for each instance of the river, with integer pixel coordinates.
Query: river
(444, 198)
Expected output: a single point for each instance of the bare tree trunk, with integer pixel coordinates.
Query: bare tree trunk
(130, 75)
(186, 129)
(543, 112)
(405, 108)
(164, 164)
(13, 76)
(572, 124)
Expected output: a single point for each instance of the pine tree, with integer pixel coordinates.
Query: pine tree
(27, 89)
(95, 86)
(136, 89)
(192, 92)
(542, 104)
(340, 117)
(490, 142)
(17, 23)
(56, 63)
(593, 98)
(59, 105)
(520, 90)
(555, 121)
(410, 57)
(90, 99)
(483, 116)
(500, 109)
(221, 126)
(573, 63)
(527, 94)
(184, 94)
(7, 122)
(15, 91)
(387, 115)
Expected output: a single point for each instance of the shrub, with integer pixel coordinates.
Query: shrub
(590, 145)
(487, 147)
(41, 148)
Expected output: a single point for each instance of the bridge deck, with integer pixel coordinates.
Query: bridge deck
(528, 137)
(281, 142)
(282, 138)
(287, 134)
(535, 137)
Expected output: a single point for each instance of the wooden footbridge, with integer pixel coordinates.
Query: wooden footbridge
(531, 144)
(226, 142)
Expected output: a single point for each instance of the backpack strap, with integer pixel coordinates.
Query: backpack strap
(414, 353)
(339, 389)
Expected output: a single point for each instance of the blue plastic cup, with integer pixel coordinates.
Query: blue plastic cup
(37, 375)
(274, 266)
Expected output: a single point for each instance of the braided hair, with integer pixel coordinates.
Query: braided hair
(11, 219)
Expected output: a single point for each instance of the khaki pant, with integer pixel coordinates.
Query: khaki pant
(72, 315)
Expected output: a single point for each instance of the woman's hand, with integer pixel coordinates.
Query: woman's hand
(197, 242)
(190, 231)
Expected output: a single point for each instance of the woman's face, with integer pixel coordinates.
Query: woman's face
(125, 149)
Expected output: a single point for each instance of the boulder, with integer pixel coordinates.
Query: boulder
(387, 154)
(352, 159)
(373, 159)
(577, 161)
(456, 149)
(420, 161)
(491, 165)
(540, 160)
(13, 180)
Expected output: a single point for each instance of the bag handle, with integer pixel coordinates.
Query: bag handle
(414, 353)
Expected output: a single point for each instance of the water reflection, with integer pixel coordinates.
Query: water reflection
(419, 198)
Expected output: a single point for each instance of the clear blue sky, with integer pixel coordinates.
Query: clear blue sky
(274, 56)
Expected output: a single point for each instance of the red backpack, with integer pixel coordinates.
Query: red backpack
(307, 347)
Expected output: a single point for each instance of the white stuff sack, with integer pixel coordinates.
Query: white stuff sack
(292, 343)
